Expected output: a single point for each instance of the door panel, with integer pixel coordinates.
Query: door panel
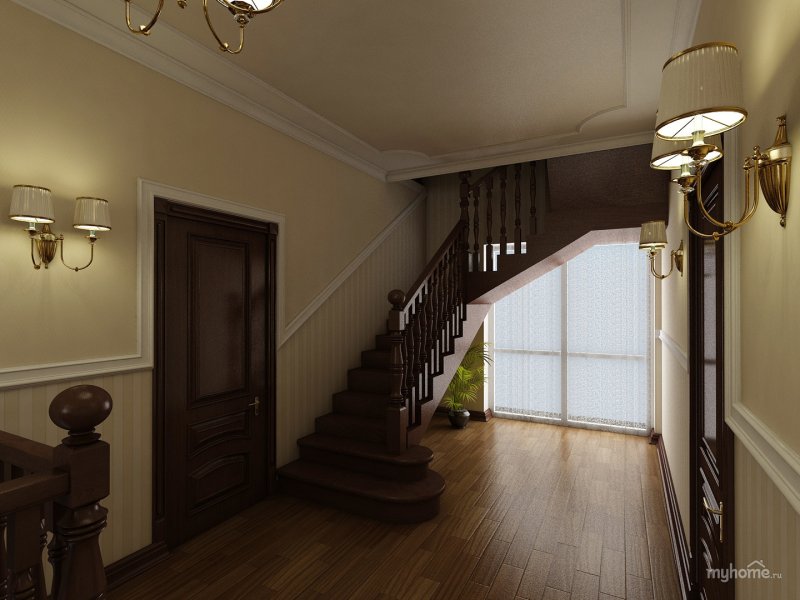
(216, 380)
(711, 439)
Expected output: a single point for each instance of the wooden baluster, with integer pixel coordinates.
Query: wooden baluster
(517, 208)
(397, 412)
(464, 195)
(409, 360)
(488, 250)
(419, 338)
(503, 230)
(4, 588)
(476, 217)
(78, 518)
(534, 224)
(26, 575)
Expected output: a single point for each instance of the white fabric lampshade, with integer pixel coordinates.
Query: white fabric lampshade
(669, 154)
(92, 214)
(702, 81)
(31, 204)
(653, 235)
(257, 6)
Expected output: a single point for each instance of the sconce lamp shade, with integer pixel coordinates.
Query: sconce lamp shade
(31, 204)
(701, 90)
(92, 214)
(653, 236)
(253, 6)
(672, 154)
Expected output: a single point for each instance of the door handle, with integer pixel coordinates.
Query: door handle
(719, 512)
(255, 404)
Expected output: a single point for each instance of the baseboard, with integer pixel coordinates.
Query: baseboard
(135, 564)
(680, 547)
(474, 415)
(654, 437)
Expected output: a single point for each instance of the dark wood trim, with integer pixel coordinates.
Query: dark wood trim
(474, 415)
(654, 437)
(135, 564)
(162, 208)
(680, 546)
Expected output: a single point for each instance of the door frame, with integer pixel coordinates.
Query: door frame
(222, 217)
(696, 389)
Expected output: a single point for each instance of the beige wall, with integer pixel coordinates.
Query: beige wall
(83, 120)
(768, 37)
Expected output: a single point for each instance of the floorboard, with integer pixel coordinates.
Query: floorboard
(531, 511)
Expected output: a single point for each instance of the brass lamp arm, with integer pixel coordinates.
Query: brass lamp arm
(716, 235)
(241, 18)
(92, 240)
(142, 29)
(653, 266)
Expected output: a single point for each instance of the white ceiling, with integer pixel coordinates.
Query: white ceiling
(415, 88)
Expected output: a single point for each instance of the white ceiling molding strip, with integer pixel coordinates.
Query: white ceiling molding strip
(207, 71)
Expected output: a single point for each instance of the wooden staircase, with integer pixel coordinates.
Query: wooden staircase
(365, 456)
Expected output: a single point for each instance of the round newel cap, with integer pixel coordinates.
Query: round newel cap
(397, 298)
(79, 410)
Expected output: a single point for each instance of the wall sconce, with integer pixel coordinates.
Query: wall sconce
(34, 205)
(653, 238)
(701, 95)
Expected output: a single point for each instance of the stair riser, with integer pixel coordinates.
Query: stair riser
(383, 342)
(374, 382)
(363, 465)
(364, 407)
(364, 434)
(375, 359)
(389, 512)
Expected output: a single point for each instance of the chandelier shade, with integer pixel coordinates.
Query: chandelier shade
(252, 6)
(701, 91)
(653, 236)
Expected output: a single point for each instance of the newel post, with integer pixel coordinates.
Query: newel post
(78, 518)
(397, 411)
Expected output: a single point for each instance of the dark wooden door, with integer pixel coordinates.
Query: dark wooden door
(215, 357)
(711, 439)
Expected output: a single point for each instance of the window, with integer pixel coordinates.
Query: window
(575, 345)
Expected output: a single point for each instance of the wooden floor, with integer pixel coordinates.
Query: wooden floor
(530, 511)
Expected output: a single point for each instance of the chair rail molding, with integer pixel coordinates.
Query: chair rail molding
(779, 461)
(675, 349)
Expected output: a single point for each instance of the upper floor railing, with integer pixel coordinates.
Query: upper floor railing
(54, 493)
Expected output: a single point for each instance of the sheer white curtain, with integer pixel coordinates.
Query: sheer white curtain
(592, 367)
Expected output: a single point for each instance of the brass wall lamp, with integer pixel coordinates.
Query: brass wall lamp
(702, 95)
(653, 239)
(34, 205)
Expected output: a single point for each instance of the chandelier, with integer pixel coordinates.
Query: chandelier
(242, 11)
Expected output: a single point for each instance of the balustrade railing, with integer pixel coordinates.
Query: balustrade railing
(480, 195)
(55, 492)
(423, 326)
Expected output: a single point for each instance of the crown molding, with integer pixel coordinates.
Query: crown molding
(207, 71)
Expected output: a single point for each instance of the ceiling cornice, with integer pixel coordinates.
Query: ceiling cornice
(205, 70)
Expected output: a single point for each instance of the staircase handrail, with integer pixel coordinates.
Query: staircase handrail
(423, 325)
(56, 489)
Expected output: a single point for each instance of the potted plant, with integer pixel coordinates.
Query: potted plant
(466, 384)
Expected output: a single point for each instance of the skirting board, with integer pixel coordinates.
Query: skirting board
(135, 564)
(680, 547)
(474, 415)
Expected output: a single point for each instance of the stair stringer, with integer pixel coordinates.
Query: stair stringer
(476, 313)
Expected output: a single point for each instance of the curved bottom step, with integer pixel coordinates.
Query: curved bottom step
(366, 495)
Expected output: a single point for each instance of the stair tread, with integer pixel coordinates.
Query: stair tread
(372, 370)
(414, 455)
(361, 484)
(371, 396)
(367, 422)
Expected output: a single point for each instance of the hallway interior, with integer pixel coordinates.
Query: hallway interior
(530, 511)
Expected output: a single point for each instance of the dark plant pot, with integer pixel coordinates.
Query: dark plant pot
(458, 418)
